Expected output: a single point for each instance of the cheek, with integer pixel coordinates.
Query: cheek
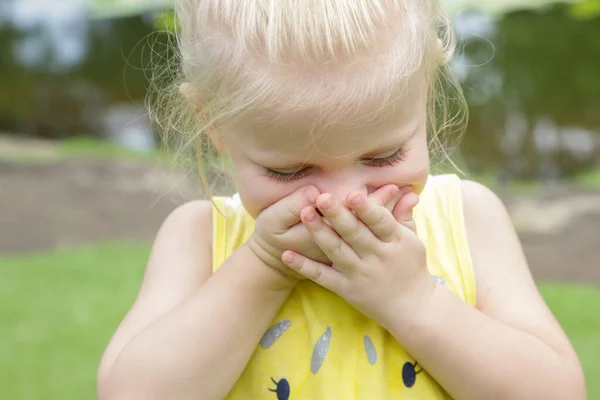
(414, 170)
(258, 192)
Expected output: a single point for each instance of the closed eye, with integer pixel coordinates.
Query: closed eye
(390, 160)
(285, 177)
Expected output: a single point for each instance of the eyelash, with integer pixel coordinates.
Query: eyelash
(388, 161)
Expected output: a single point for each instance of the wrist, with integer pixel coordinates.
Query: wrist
(273, 279)
(412, 311)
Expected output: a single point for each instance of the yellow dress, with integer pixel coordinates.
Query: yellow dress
(318, 346)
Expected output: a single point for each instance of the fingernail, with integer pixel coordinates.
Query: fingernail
(327, 204)
(356, 199)
(311, 216)
(311, 195)
(406, 189)
(288, 258)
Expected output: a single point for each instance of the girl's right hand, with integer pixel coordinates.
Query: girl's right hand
(279, 228)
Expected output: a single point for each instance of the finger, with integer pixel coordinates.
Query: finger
(338, 251)
(305, 245)
(286, 212)
(403, 211)
(387, 199)
(377, 218)
(351, 229)
(317, 272)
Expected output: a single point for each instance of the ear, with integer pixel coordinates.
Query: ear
(187, 90)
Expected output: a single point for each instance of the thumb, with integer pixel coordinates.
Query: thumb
(403, 211)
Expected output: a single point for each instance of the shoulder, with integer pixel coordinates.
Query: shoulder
(194, 210)
(186, 234)
(487, 222)
(189, 222)
(186, 238)
(180, 259)
(189, 215)
(481, 206)
(499, 262)
(488, 225)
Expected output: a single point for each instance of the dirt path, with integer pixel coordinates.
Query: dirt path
(54, 204)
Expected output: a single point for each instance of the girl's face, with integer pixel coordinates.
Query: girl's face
(269, 165)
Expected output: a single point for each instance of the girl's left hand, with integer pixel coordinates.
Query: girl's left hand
(379, 263)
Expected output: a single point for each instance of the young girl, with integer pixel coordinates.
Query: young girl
(342, 269)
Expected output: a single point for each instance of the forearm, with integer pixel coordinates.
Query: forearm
(199, 349)
(476, 357)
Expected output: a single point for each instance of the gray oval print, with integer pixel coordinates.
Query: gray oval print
(274, 333)
(320, 351)
(370, 350)
(438, 279)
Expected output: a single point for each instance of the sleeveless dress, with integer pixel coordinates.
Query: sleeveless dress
(318, 346)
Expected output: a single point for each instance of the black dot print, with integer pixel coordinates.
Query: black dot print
(409, 374)
(282, 389)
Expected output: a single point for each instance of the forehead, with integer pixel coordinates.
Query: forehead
(333, 143)
(296, 136)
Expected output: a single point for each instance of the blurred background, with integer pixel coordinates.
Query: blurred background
(84, 186)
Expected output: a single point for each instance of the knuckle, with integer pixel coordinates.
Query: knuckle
(316, 274)
(379, 219)
(337, 248)
(334, 249)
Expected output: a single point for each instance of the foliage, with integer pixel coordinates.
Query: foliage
(120, 8)
(586, 9)
(540, 71)
(499, 7)
(115, 8)
(166, 20)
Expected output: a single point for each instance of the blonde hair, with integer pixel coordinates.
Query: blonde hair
(339, 62)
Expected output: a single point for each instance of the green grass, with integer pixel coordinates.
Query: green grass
(589, 178)
(58, 311)
(84, 146)
(576, 308)
(75, 147)
(87, 146)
